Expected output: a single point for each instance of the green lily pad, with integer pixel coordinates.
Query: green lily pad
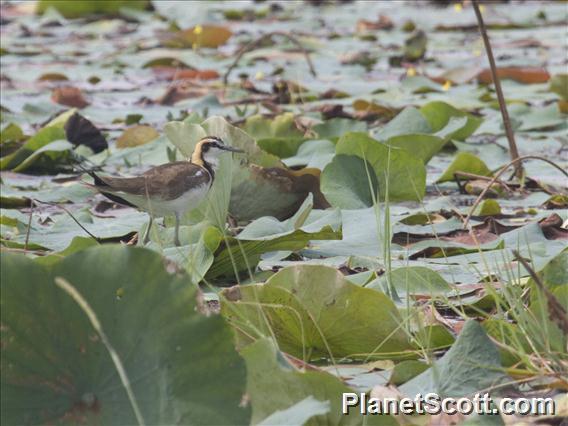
(409, 121)
(336, 127)
(48, 158)
(554, 277)
(488, 207)
(314, 153)
(56, 368)
(269, 373)
(510, 336)
(278, 136)
(413, 280)
(297, 414)
(439, 113)
(281, 126)
(471, 365)
(302, 305)
(559, 85)
(420, 145)
(346, 185)
(11, 133)
(267, 234)
(464, 162)
(406, 370)
(42, 138)
(405, 173)
(80, 8)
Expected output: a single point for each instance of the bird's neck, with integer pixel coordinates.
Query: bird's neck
(198, 159)
(210, 168)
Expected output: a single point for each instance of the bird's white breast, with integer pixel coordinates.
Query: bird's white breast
(187, 201)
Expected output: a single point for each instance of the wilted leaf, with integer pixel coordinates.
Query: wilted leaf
(69, 96)
(80, 131)
(523, 75)
(172, 73)
(383, 23)
(371, 107)
(137, 135)
(200, 36)
(52, 76)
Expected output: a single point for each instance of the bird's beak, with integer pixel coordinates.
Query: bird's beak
(230, 148)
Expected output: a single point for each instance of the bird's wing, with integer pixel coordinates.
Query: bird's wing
(166, 182)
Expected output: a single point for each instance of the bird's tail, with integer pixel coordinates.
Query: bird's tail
(100, 185)
(91, 172)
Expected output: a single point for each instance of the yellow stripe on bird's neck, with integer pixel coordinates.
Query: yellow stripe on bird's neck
(197, 155)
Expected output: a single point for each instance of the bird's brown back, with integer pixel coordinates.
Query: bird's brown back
(166, 182)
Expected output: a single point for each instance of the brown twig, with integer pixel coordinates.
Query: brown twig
(253, 44)
(502, 105)
(498, 175)
(29, 225)
(72, 217)
(557, 312)
(458, 175)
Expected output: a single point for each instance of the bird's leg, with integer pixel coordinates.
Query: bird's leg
(176, 239)
(147, 232)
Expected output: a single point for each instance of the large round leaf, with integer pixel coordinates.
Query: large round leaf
(181, 365)
(346, 184)
(396, 169)
(315, 312)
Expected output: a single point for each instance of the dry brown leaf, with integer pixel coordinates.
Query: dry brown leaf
(361, 105)
(383, 23)
(525, 75)
(173, 73)
(552, 228)
(178, 93)
(201, 36)
(52, 76)
(69, 96)
(137, 135)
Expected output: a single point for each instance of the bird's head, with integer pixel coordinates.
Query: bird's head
(208, 150)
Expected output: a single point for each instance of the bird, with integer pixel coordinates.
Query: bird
(169, 189)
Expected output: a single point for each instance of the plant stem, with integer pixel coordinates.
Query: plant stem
(556, 311)
(498, 175)
(502, 105)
